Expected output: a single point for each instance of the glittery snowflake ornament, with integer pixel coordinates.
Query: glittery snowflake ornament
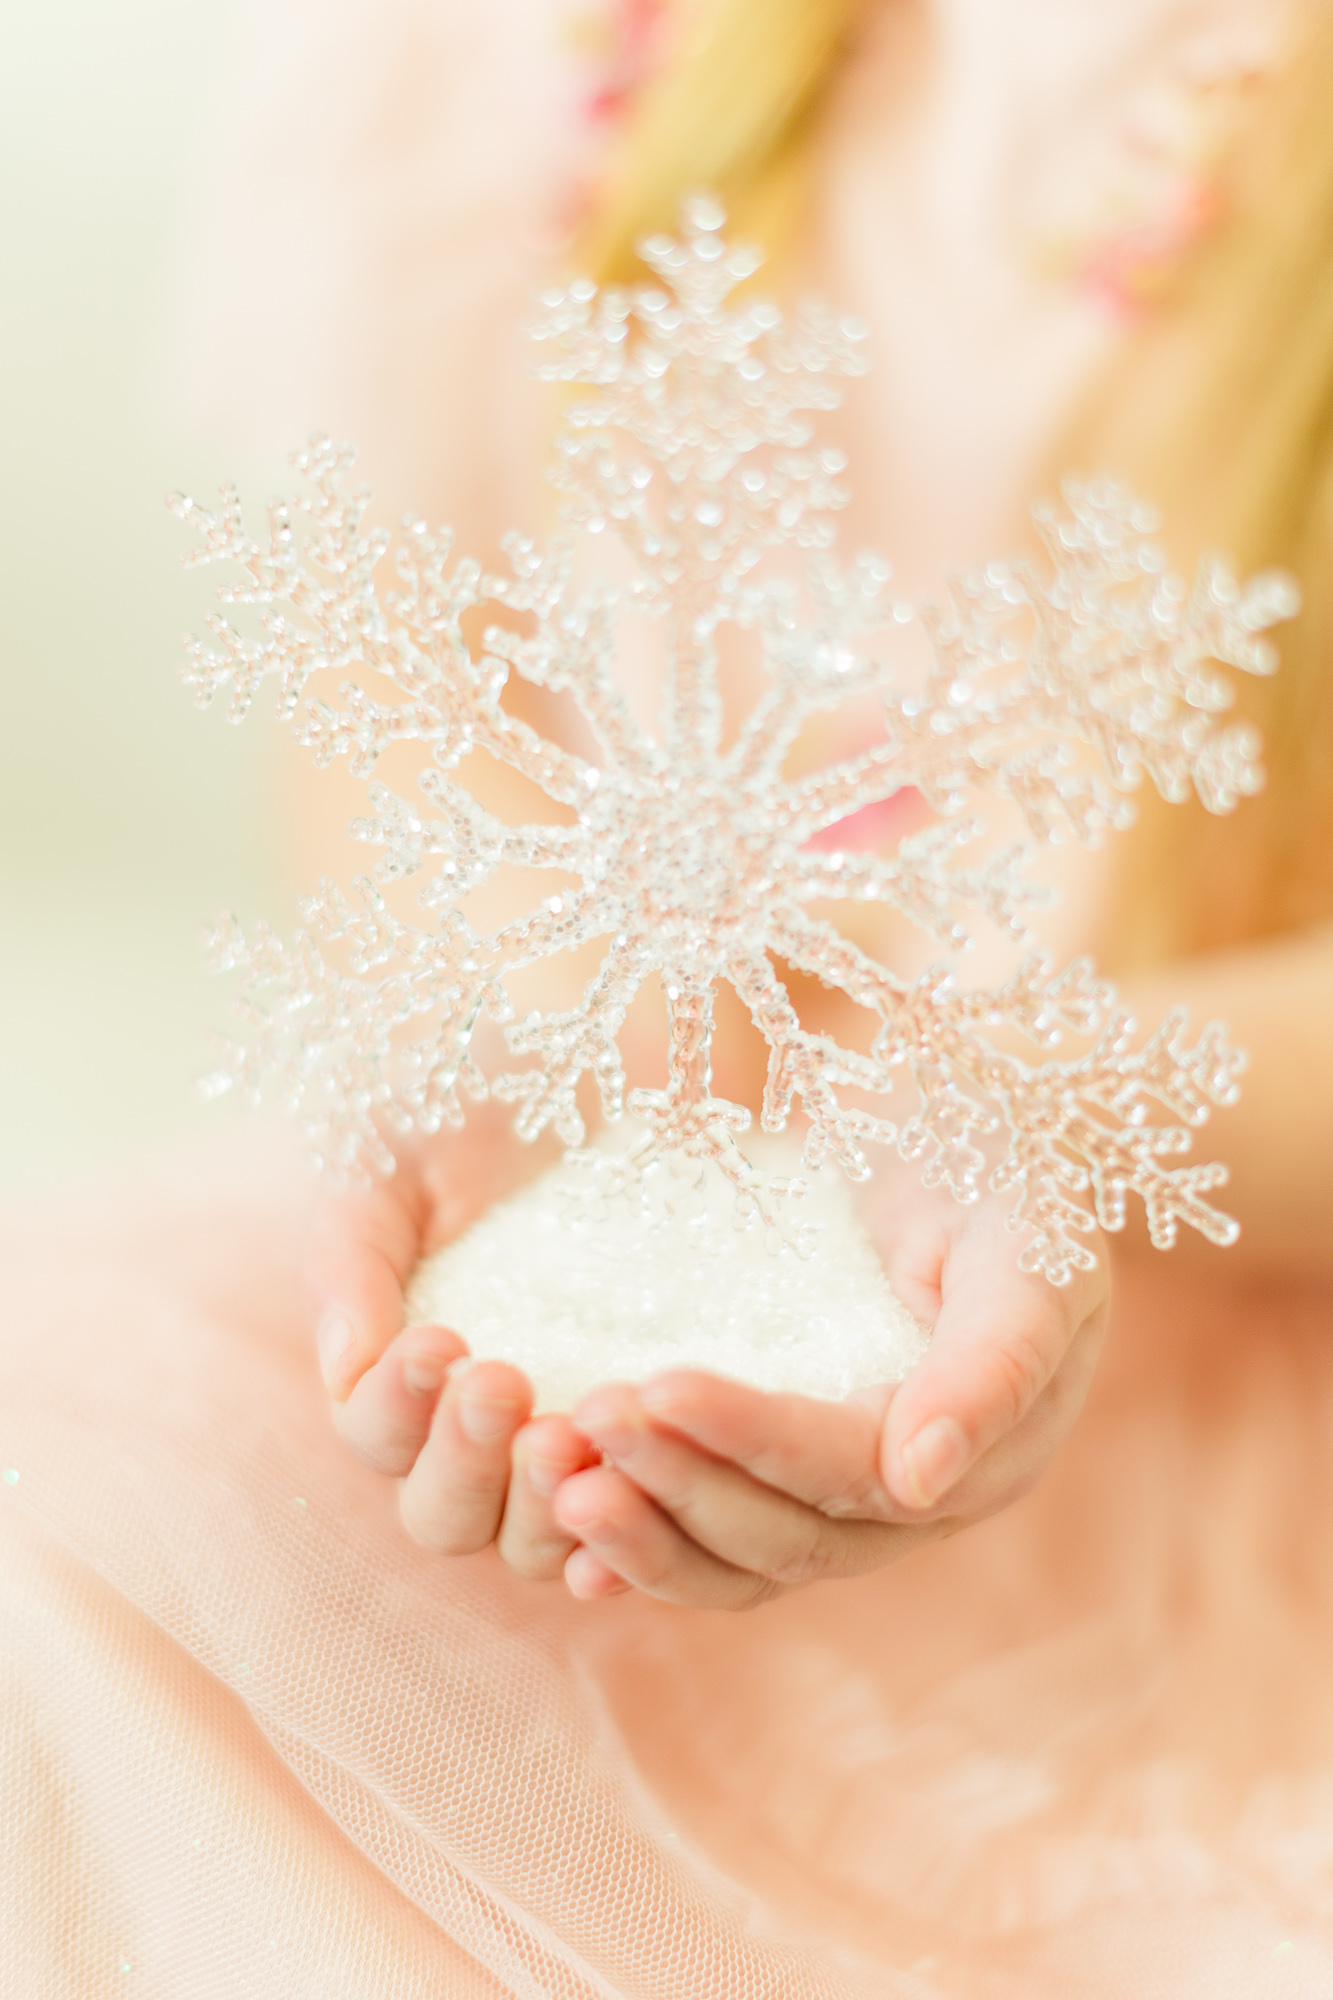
(692, 857)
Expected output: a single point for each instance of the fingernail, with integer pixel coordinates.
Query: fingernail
(333, 1337)
(594, 1529)
(545, 1474)
(423, 1373)
(933, 1459)
(483, 1419)
(660, 1396)
(615, 1437)
(611, 1418)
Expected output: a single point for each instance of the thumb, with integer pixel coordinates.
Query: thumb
(999, 1337)
(359, 1255)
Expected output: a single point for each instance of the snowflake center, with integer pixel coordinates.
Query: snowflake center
(695, 875)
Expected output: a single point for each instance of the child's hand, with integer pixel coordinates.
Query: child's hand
(718, 1495)
(709, 1493)
(473, 1468)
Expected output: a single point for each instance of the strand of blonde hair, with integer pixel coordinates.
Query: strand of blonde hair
(1220, 406)
(732, 109)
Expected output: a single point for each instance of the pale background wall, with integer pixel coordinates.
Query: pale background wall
(126, 818)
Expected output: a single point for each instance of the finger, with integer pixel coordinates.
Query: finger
(633, 1538)
(1017, 1460)
(748, 1524)
(531, 1540)
(453, 1498)
(998, 1340)
(365, 1244)
(387, 1417)
(361, 1252)
(588, 1576)
(825, 1454)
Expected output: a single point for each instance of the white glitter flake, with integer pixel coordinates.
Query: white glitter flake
(666, 1281)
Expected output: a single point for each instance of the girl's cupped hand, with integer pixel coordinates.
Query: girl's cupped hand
(691, 1488)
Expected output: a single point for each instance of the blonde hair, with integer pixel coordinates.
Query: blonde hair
(733, 110)
(1219, 407)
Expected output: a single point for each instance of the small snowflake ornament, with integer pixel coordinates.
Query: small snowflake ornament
(690, 857)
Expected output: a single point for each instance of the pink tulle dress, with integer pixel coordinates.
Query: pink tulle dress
(254, 1744)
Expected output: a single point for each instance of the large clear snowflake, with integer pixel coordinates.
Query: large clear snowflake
(694, 859)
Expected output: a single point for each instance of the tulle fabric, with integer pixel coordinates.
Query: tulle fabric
(256, 1743)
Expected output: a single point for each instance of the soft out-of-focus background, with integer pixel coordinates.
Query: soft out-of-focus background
(126, 817)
